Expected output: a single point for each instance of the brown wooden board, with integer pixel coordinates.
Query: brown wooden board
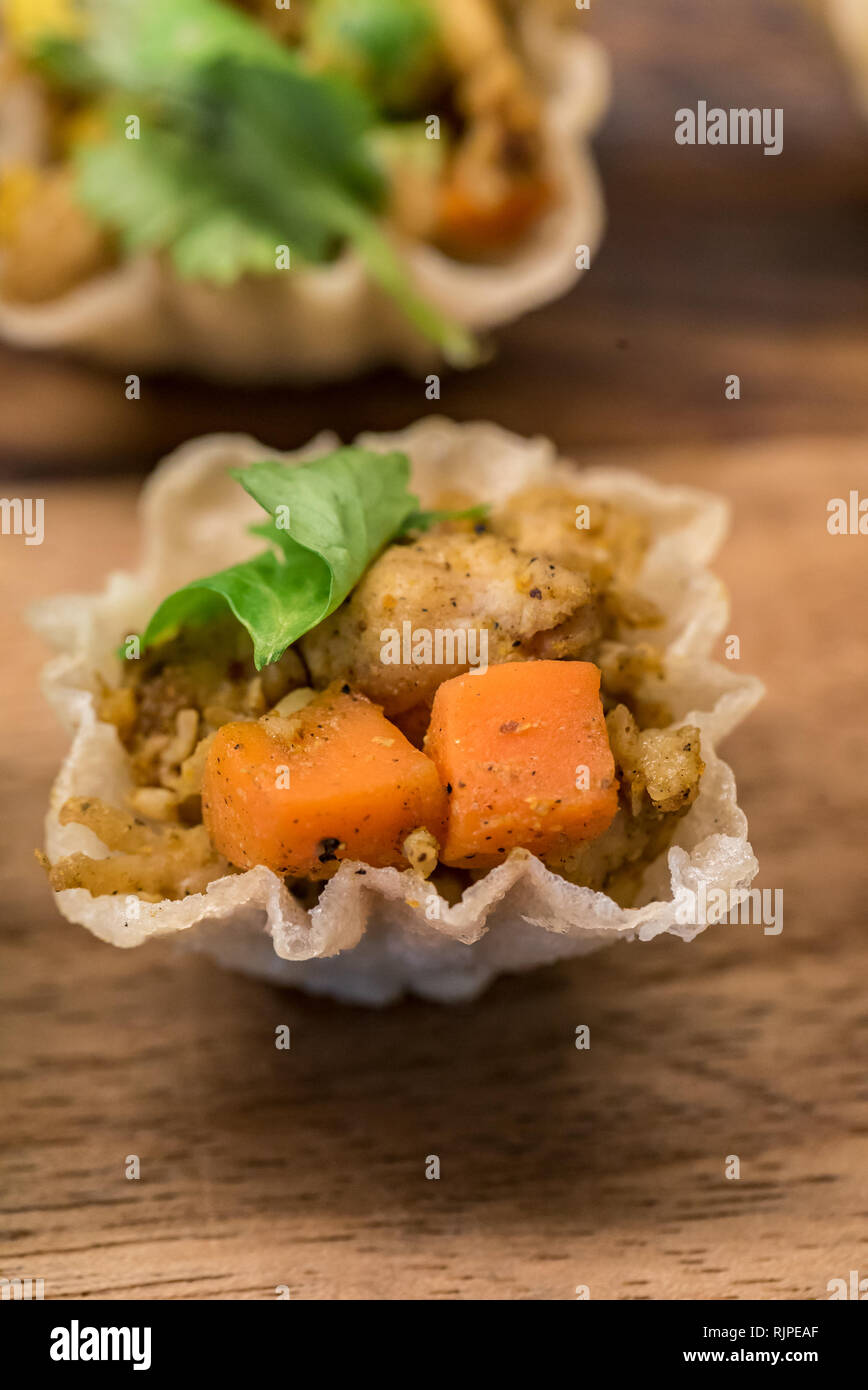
(559, 1167)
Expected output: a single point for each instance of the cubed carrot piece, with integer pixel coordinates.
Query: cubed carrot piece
(335, 781)
(523, 752)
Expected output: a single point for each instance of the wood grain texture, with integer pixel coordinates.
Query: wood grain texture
(559, 1167)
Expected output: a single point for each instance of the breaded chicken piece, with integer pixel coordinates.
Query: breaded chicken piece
(659, 772)
(451, 583)
(583, 533)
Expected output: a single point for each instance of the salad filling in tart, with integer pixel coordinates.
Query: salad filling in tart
(407, 734)
(241, 144)
(442, 690)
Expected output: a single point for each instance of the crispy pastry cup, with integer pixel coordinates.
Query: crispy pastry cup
(372, 938)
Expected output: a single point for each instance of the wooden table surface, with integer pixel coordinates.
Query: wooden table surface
(306, 1168)
(560, 1168)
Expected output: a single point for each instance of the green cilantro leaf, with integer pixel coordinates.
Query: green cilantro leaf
(327, 521)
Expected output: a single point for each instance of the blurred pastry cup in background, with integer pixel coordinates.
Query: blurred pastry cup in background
(293, 195)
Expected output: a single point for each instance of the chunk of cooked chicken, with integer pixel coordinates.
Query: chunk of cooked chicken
(583, 533)
(459, 585)
(664, 765)
(659, 772)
